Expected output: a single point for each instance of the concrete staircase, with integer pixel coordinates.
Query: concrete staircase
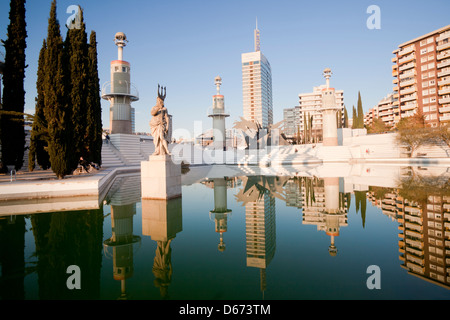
(110, 157)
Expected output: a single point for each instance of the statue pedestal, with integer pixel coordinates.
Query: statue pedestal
(160, 178)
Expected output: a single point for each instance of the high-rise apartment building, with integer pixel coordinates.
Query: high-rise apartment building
(310, 104)
(422, 76)
(387, 110)
(257, 86)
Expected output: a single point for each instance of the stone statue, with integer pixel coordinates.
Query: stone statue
(159, 124)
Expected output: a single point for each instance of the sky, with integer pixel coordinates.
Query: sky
(184, 45)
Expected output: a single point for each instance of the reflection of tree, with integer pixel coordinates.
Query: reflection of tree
(361, 203)
(12, 245)
(417, 188)
(65, 239)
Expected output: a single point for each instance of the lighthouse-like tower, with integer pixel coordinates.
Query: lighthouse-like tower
(120, 92)
(218, 114)
(329, 111)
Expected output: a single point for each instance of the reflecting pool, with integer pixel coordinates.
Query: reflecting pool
(240, 234)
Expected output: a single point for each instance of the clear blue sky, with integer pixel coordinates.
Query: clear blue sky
(184, 45)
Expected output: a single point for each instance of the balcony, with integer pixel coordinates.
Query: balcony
(443, 55)
(409, 106)
(444, 72)
(408, 58)
(395, 81)
(116, 89)
(444, 100)
(444, 82)
(408, 74)
(445, 117)
(444, 109)
(445, 90)
(408, 90)
(443, 36)
(443, 46)
(407, 66)
(406, 50)
(444, 63)
(407, 83)
(408, 98)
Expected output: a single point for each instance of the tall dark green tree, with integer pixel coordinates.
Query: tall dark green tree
(12, 132)
(94, 128)
(345, 117)
(360, 112)
(39, 134)
(76, 47)
(355, 118)
(58, 112)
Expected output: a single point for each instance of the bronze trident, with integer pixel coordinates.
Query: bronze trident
(162, 93)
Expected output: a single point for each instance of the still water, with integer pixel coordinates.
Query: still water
(240, 237)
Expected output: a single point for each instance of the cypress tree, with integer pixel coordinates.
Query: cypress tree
(94, 113)
(57, 111)
(12, 137)
(39, 134)
(355, 119)
(360, 112)
(345, 117)
(77, 56)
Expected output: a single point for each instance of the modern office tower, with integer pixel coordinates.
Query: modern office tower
(384, 110)
(219, 115)
(422, 76)
(120, 92)
(257, 86)
(310, 104)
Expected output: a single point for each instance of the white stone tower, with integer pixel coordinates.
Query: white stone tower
(329, 111)
(120, 92)
(218, 114)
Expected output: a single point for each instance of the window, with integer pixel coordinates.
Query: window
(423, 51)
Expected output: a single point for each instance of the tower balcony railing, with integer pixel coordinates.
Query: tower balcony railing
(127, 90)
(218, 112)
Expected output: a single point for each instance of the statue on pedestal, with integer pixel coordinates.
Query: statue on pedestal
(159, 124)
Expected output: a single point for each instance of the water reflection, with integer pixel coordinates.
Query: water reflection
(162, 220)
(123, 197)
(419, 203)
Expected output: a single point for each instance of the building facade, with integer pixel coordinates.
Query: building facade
(387, 110)
(257, 86)
(309, 104)
(421, 74)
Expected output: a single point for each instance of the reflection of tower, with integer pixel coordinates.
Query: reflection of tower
(162, 220)
(219, 115)
(324, 208)
(329, 111)
(260, 233)
(221, 211)
(123, 209)
(120, 92)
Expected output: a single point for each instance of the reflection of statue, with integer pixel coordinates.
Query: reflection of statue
(159, 124)
(162, 267)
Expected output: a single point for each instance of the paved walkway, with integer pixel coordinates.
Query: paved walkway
(39, 175)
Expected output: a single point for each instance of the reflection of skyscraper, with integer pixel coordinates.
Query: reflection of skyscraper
(260, 228)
